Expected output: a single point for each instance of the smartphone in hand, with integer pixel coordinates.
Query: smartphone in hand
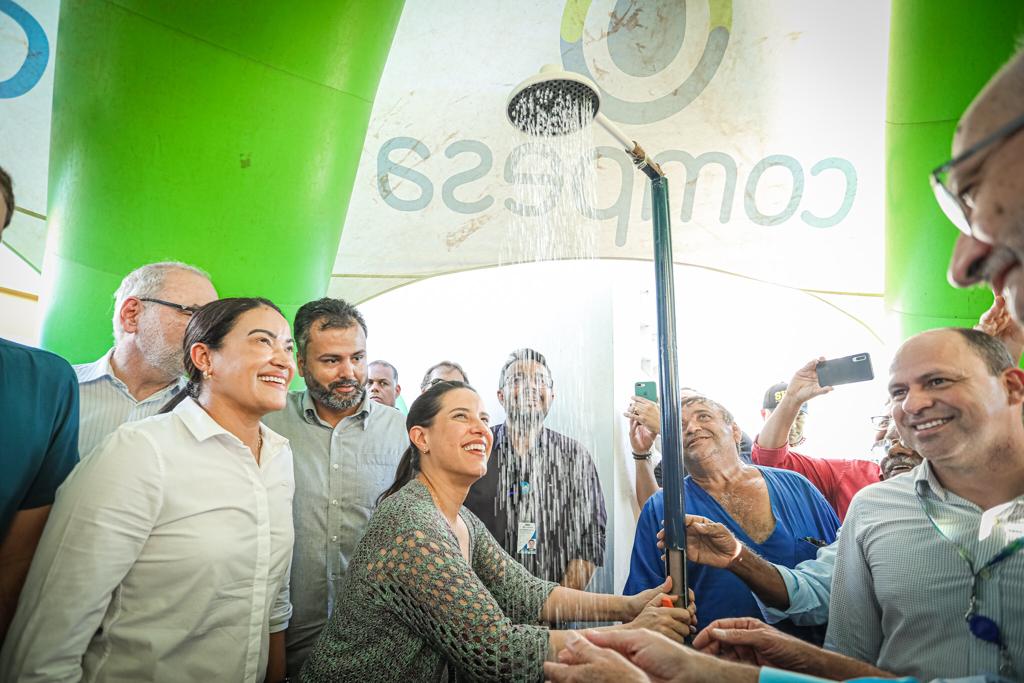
(648, 390)
(846, 370)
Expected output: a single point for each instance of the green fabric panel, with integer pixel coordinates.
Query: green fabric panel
(336, 43)
(168, 146)
(941, 53)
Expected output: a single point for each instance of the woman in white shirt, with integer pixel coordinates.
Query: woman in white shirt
(166, 554)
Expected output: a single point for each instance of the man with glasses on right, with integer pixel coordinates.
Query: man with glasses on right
(981, 189)
(143, 370)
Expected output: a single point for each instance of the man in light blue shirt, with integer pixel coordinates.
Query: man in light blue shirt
(144, 369)
(929, 566)
(346, 448)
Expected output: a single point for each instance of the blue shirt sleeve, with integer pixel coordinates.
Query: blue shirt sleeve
(62, 453)
(646, 570)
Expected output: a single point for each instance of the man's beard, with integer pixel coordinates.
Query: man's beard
(158, 353)
(526, 415)
(324, 394)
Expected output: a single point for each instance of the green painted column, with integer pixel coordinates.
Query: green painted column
(224, 134)
(941, 52)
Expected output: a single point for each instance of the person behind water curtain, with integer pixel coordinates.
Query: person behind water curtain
(429, 588)
(166, 554)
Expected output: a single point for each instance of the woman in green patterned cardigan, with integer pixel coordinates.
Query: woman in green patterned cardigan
(430, 591)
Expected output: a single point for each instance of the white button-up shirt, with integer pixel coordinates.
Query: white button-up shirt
(165, 558)
(106, 404)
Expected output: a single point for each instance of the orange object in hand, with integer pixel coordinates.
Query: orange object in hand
(666, 601)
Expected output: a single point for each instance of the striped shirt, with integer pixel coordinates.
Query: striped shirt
(901, 590)
(106, 403)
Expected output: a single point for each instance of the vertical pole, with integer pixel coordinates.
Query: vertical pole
(214, 133)
(671, 441)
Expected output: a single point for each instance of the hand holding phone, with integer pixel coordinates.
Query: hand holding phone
(648, 390)
(846, 370)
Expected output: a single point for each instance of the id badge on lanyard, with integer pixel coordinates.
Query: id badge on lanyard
(526, 538)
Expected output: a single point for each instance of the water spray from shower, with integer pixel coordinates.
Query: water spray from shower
(554, 103)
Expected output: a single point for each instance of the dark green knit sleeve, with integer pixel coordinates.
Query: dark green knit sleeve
(424, 579)
(520, 594)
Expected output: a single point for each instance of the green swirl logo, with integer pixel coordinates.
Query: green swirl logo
(644, 37)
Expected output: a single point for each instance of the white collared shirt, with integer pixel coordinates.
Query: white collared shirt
(106, 404)
(165, 558)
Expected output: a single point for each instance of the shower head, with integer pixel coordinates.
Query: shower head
(555, 102)
(533, 103)
(538, 105)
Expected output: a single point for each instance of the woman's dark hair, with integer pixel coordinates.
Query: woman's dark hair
(209, 326)
(421, 414)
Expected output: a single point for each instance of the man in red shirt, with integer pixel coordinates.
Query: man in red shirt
(837, 480)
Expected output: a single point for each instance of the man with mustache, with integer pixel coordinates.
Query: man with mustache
(981, 189)
(346, 449)
(777, 513)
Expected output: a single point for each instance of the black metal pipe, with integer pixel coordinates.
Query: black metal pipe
(673, 468)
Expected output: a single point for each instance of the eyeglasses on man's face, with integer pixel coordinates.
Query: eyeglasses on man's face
(181, 308)
(538, 380)
(958, 205)
(881, 421)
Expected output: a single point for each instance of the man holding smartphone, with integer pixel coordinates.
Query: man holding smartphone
(838, 480)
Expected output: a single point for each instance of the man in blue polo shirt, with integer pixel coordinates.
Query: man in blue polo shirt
(39, 448)
(777, 513)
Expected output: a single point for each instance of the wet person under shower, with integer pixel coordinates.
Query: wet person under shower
(429, 587)
(777, 513)
(540, 486)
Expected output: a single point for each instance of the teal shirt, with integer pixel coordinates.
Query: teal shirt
(38, 428)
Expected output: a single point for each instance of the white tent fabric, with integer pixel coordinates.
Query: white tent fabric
(774, 167)
(766, 117)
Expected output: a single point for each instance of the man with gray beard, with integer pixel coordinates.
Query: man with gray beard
(346, 449)
(143, 370)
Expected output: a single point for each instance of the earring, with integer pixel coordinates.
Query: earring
(206, 374)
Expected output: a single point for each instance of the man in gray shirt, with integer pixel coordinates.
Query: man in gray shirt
(346, 448)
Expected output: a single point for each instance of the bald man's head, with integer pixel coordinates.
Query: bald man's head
(990, 185)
